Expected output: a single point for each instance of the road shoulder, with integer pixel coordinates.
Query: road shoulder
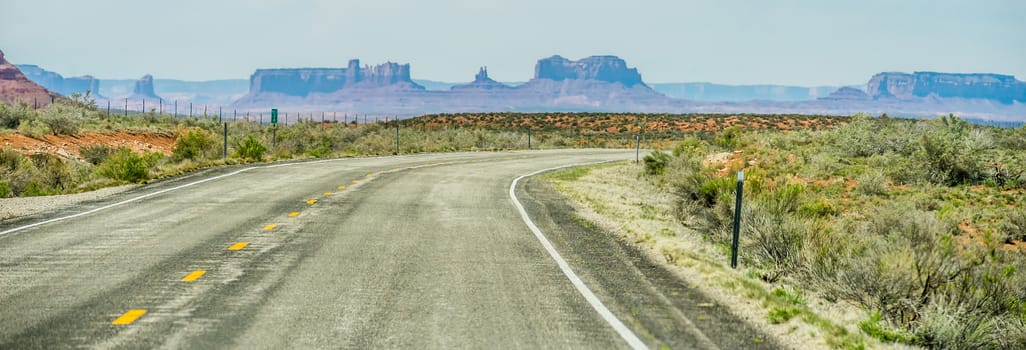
(664, 310)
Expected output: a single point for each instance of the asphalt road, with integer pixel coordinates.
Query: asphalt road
(424, 251)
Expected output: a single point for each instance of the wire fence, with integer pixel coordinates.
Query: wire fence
(183, 109)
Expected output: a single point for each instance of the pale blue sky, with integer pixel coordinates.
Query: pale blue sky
(796, 42)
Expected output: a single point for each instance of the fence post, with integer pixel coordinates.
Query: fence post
(397, 138)
(225, 154)
(737, 219)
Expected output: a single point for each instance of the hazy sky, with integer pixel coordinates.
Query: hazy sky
(812, 42)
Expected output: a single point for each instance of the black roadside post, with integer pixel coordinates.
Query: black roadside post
(225, 154)
(637, 148)
(737, 219)
(176, 109)
(397, 138)
(126, 107)
(528, 138)
(144, 106)
(108, 108)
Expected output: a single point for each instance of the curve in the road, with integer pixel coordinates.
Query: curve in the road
(624, 332)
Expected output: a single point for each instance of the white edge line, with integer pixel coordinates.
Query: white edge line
(625, 333)
(21, 228)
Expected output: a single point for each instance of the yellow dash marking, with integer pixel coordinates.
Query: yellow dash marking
(270, 227)
(129, 316)
(238, 246)
(311, 201)
(356, 181)
(369, 175)
(195, 275)
(327, 193)
(341, 187)
(293, 214)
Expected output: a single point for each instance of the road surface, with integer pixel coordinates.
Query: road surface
(425, 251)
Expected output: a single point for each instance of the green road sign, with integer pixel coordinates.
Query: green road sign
(274, 116)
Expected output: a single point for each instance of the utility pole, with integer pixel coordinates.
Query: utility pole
(126, 107)
(176, 109)
(108, 108)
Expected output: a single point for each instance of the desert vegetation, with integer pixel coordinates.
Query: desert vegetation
(919, 223)
(198, 141)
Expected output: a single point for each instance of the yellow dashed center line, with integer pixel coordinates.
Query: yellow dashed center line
(311, 201)
(195, 275)
(356, 181)
(293, 214)
(270, 227)
(238, 246)
(369, 175)
(328, 193)
(341, 187)
(129, 316)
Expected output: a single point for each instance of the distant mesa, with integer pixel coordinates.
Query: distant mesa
(609, 69)
(14, 86)
(59, 84)
(144, 89)
(847, 94)
(303, 82)
(481, 82)
(904, 86)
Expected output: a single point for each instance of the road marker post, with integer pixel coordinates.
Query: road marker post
(274, 123)
(637, 148)
(225, 154)
(528, 138)
(397, 138)
(737, 219)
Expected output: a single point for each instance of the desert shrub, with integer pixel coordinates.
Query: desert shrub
(729, 138)
(250, 148)
(60, 119)
(54, 174)
(773, 241)
(96, 153)
(655, 162)
(949, 153)
(193, 144)
(872, 183)
(12, 116)
(125, 165)
(878, 328)
(1013, 227)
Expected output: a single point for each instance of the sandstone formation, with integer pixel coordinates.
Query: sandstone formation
(893, 85)
(58, 83)
(481, 82)
(14, 86)
(144, 89)
(302, 82)
(610, 69)
(847, 94)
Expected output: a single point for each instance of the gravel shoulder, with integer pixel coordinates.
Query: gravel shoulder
(12, 208)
